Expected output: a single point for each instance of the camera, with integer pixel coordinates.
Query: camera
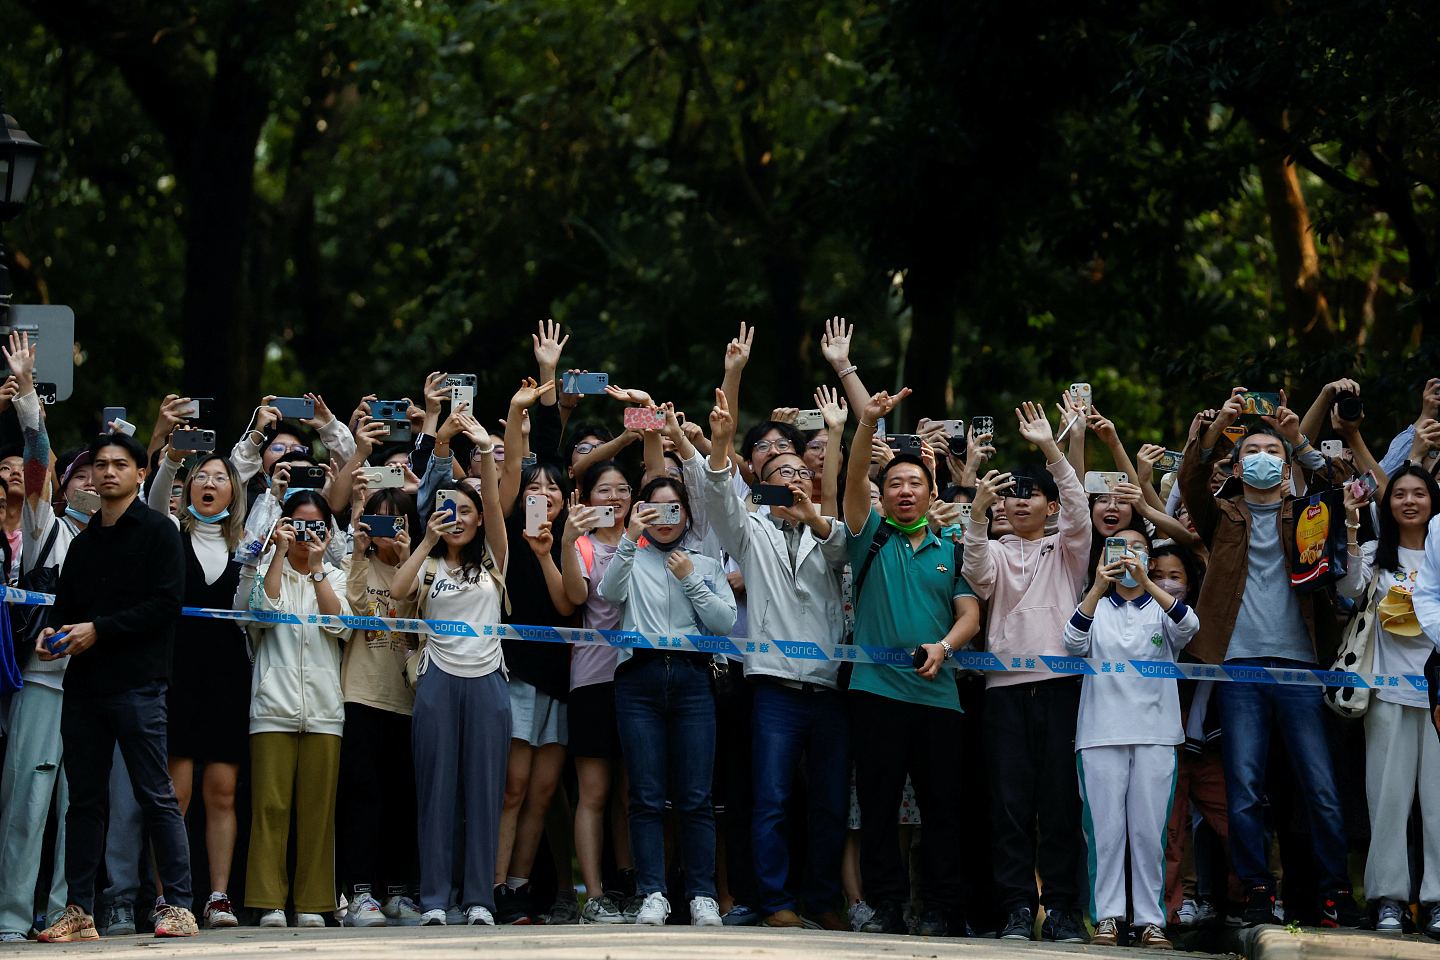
(1349, 406)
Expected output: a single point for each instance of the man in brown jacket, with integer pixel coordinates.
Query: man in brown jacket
(1251, 617)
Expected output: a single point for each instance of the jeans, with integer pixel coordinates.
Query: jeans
(91, 725)
(789, 723)
(1249, 711)
(665, 709)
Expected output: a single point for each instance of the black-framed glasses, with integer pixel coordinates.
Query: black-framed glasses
(794, 473)
(779, 446)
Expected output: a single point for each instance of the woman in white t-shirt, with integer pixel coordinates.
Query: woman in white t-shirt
(1402, 754)
(461, 724)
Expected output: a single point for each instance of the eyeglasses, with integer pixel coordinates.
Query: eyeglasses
(177, 492)
(674, 473)
(584, 448)
(219, 479)
(794, 473)
(780, 446)
(284, 448)
(610, 493)
(815, 445)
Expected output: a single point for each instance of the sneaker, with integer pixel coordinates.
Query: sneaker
(565, 910)
(432, 918)
(932, 922)
(172, 921)
(513, 906)
(887, 918)
(13, 936)
(1338, 909)
(74, 924)
(1060, 927)
(1259, 906)
(1107, 932)
(1432, 921)
(1388, 920)
(342, 908)
(1151, 938)
(219, 914)
(1020, 926)
(478, 916)
(602, 909)
(401, 911)
(783, 919)
(119, 919)
(740, 916)
(654, 910)
(312, 921)
(1205, 913)
(1186, 916)
(363, 911)
(860, 914)
(274, 918)
(829, 920)
(630, 907)
(157, 910)
(705, 912)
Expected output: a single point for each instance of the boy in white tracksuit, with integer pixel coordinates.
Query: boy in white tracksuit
(1125, 739)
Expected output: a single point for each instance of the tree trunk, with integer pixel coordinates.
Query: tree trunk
(1307, 311)
(930, 293)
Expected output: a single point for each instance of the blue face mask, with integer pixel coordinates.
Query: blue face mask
(204, 519)
(76, 515)
(1142, 558)
(1262, 470)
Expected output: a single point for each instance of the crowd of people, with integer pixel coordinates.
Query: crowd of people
(383, 777)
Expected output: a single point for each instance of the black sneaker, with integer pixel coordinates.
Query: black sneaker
(888, 918)
(932, 922)
(1061, 927)
(1259, 906)
(513, 906)
(1020, 926)
(1338, 909)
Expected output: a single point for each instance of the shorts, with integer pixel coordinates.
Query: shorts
(535, 717)
(596, 735)
(909, 809)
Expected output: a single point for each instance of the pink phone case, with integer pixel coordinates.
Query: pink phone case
(642, 418)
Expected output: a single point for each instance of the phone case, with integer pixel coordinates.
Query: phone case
(604, 517)
(643, 418)
(462, 394)
(983, 426)
(584, 383)
(535, 514)
(1260, 404)
(295, 408)
(199, 441)
(383, 524)
(124, 426)
(810, 420)
(954, 428)
(385, 478)
(1102, 481)
(1115, 549)
(774, 495)
(1169, 461)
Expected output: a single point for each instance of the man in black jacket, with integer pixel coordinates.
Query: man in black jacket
(115, 611)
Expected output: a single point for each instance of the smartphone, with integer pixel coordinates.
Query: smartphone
(1364, 486)
(537, 510)
(83, 501)
(904, 443)
(1169, 461)
(604, 517)
(880, 428)
(1081, 393)
(1023, 488)
(196, 407)
(1115, 549)
(462, 396)
(643, 418)
(810, 420)
(1259, 404)
(669, 512)
(773, 495)
(1103, 481)
(954, 428)
(584, 383)
(383, 524)
(124, 426)
(387, 477)
(389, 410)
(445, 503)
(56, 643)
(983, 426)
(309, 529)
(466, 381)
(398, 431)
(1235, 432)
(189, 438)
(306, 478)
(462, 380)
(111, 413)
(47, 391)
(1333, 449)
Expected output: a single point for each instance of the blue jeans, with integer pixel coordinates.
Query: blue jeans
(1249, 711)
(665, 708)
(787, 724)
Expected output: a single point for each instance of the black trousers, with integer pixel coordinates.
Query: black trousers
(890, 738)
(91, 727)
(375, 837)
(1034, 794)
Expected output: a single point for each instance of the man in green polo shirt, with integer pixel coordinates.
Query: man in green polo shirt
(904, 720)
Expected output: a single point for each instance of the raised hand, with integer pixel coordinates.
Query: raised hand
(835, 344)
(988, 489)
(436, 392)
(1035, 427)
(638, 397)
(530, 393)
(1103, 427)
(1285, 421)
(20, 358)
(737, 352)
(722, 424)
(881, 404)
(322, 413)
(548, 345)
(833, 406)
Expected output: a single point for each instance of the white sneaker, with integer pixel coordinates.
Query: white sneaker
(1185, 916)
(219, 914)
(478, 916)
(364, 911)
(342, 907)
(433, 918)
(655, 910)
(275, 918)
(311, 920)
(1204, 912)
(401, 911)
(705, 912)
(1389, 920)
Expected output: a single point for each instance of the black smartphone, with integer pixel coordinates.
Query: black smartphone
(307, 478)
(773, 495)
(904, 443)
(1023, 489)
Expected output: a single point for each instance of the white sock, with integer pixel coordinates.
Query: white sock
(217, 895)
(515, 883)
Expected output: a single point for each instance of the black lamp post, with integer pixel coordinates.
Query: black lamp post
(19, 156)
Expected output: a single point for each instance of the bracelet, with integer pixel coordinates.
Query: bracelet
(1351, 526)
(864, 424)
(848, 370)
(949, 650)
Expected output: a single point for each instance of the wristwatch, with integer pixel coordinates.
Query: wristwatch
(318, 576)
(949, 650)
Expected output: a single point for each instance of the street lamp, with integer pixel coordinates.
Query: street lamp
(19, 156)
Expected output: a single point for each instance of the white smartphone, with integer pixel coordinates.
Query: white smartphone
(462, 393)
(669, 512)
(1103, 481)
(810, 420)
(1081, 392)
(83, 501)
(387, 477)
(604, 517)
(124, 426)
(536, 513)
(1332, 449)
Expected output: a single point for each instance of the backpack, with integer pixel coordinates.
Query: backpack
(27, 621)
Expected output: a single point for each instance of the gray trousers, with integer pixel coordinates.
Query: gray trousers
(461, 738)
(123, 835)
(32, 781)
